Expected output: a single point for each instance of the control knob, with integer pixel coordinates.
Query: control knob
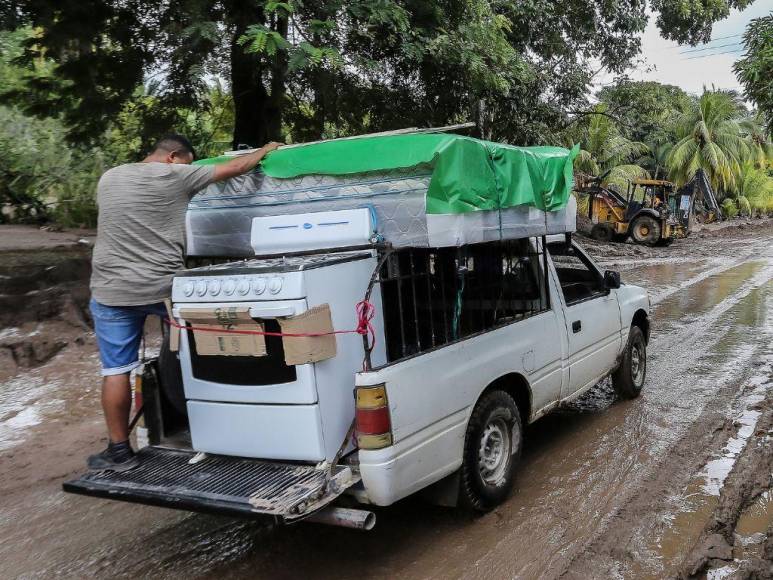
(201, 287)
(275, 285)
(229, 287)
(259, 285)
(244, 287)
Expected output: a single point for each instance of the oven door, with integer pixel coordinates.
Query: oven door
(247, 379)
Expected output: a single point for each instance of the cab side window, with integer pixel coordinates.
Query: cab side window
(578, 278)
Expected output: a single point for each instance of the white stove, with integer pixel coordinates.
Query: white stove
(258, 406)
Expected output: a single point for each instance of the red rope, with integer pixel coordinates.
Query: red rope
(365, 314)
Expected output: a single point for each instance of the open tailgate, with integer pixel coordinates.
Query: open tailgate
(220, 484)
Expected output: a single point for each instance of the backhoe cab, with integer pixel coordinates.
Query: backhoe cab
(649, 212)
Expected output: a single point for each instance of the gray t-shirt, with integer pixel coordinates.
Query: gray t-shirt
(141, 230)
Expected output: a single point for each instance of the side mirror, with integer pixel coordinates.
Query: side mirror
(612, 279)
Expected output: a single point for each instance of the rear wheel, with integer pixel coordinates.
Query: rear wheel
(645, 230)
(628, 379)
(492, 448)
(602, 232)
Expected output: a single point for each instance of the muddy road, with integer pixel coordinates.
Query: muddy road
(674, 484)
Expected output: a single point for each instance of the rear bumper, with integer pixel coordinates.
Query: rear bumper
(414, 463)
(234, 486)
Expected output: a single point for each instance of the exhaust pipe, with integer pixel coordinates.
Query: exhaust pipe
(344, 517)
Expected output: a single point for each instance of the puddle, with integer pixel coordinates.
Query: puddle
(752, 526)
(758, 517)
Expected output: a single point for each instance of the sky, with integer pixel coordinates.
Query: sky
(691, 67)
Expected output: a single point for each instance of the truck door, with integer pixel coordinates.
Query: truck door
(591, 314)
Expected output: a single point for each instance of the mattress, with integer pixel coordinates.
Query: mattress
(219, 218)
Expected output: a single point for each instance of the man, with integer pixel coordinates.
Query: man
(139, 248)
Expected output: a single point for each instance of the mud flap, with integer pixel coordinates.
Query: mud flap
(217, 484)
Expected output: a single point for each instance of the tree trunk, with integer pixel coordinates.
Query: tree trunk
(277, 99)
(247, 71)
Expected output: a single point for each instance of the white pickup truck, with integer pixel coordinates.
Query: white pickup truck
(471, 344)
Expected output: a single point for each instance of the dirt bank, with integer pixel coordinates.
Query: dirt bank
(673, 483)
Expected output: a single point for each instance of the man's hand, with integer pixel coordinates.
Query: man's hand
(273, 146)
(243, 163)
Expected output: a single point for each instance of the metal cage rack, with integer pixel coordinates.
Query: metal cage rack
(434, 296)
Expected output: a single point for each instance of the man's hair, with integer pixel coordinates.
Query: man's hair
(174, 142)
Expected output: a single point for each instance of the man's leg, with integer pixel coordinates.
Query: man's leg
(119, 332)
(117, 403)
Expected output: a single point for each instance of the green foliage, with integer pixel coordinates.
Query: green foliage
(262, 40)
(648, 111)
(755, 68)
(37, 173)
(756, 186)
(710, 137)
(744, 208)
(352, 65)
(691, 21)
(604, 150)
(119, 73)
(729, 208)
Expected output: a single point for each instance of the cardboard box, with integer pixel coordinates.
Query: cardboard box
(308, 349)
(210, 342)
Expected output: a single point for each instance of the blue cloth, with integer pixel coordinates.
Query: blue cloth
(119, 332)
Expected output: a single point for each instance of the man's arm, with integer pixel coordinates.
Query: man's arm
(242, 163)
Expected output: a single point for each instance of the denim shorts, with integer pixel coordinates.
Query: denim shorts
(119, 332)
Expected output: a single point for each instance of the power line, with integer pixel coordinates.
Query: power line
(715, 54)
(711, 47)
(707, 42)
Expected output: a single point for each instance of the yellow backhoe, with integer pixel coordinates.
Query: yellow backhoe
(650, 213)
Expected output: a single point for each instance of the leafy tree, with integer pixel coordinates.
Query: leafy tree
(335, 66)
(690, 21)
(755, 68)
(647, 110)
(711, 138)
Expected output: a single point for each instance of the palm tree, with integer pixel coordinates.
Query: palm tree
(655, 160)
(604, 150)
(760, 147)
(711, 138)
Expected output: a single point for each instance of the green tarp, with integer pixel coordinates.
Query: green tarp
(467, 174)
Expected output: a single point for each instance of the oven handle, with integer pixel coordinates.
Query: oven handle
(261, 311)
(276, 312)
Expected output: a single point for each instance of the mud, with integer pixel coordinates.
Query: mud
(674, 484)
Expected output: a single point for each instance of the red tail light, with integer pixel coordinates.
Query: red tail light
(374, 424)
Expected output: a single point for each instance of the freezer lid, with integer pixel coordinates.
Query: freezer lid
(219, 484)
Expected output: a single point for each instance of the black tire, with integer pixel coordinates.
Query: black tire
(171, 377)
(602, 232)
(629, 377)
(645, 230)
(492, 449)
